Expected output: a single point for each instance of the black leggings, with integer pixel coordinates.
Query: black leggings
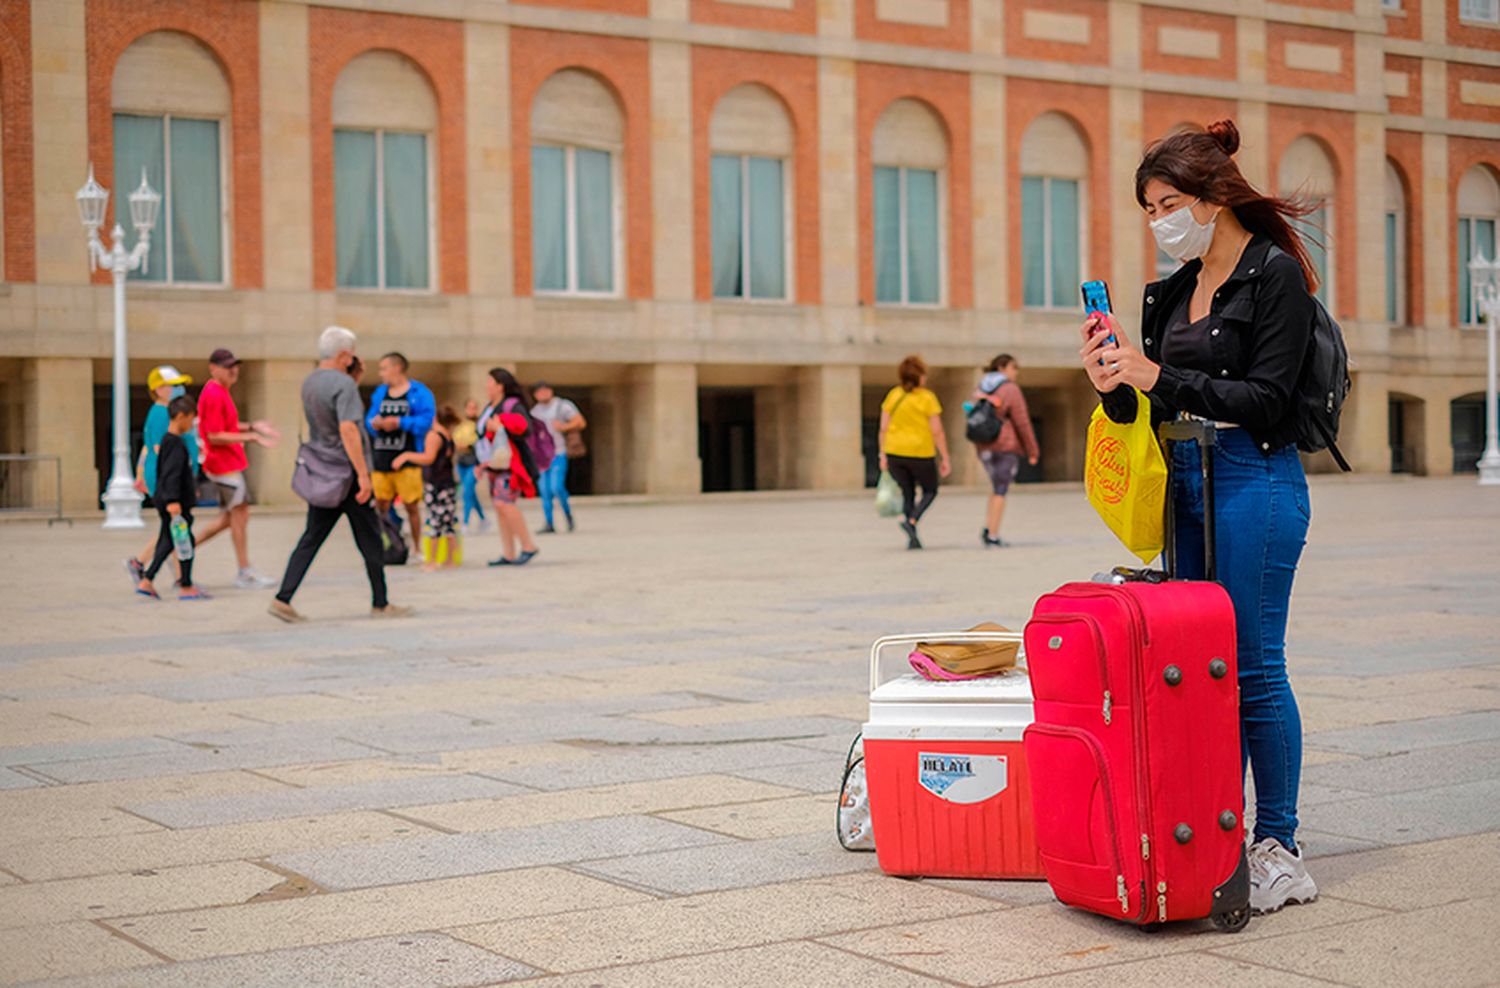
(165, 548)
(320, 522)
(909, 472)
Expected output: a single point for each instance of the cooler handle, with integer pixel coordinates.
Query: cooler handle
(946, 637)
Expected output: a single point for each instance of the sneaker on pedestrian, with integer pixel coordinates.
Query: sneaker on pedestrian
(546, 530)
(912, 542)
(250, 579)
(1278, 877)
(571, 526)
(391, 611)
(135, 569)
(990, 542)
(193, 593)
(526, 557)
(282, 611)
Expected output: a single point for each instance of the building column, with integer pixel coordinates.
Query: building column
(827, 432)
(954, 386)
(1365, 426)
(50, 384)
(776, 428)
(285, 136)
(60, 141)
(1435, 452)
(272, 390)
(663, 430)
(487, 116)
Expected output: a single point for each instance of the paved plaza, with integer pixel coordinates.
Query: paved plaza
(616, 767)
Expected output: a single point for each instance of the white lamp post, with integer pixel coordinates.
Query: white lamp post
(122, 503)
(1484, 275)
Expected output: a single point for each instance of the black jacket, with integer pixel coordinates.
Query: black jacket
(1260, 327)
(174, 474)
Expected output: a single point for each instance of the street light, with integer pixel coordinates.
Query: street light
(122, 503)
(1484, 275)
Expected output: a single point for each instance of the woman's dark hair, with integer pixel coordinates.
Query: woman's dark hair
(1200, 163)
(508, 382)
(911, 371)
(1001, 362)
(448, 416)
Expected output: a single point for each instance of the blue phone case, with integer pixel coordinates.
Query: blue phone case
(1096, 299)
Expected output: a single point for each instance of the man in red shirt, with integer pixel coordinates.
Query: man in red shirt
(225, 461)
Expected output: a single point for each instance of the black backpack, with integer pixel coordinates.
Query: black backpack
(394, 551)
(1323, 386)
(982, 426)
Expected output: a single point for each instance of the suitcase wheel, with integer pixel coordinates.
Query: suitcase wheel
(1232, 922)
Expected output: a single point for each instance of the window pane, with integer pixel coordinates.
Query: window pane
(197, 243)
(1033, 242)
(138, 144)
(1391, 232)
(767, 229)
(887, 235)
(726, 227)
(405, 194)
(1064, 255)
(1465, 255)
(354, 209)
(1483, 245)
(549, 240)
(922, 274)
(594, 221)
(1314, 230)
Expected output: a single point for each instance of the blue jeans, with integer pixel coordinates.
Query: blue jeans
(467, 480)
(1261, 517)
(555, 484)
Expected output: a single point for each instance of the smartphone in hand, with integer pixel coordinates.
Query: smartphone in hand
(1096, 303)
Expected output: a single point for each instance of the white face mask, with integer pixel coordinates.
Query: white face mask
(1180, 235)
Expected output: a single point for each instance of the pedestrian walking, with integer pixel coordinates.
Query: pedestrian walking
(1224, 340)
(913, 445)
(566, 424)
(439, 490)
(163, 383)
(225, 461)
(1000, 386)
(465, 436)
(400, 416)
(331, 405)
(176, 491)
(509, 466)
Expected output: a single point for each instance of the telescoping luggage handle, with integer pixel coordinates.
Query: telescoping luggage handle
(882, 646)
(1206, 434)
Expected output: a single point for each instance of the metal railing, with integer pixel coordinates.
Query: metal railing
(28, 485)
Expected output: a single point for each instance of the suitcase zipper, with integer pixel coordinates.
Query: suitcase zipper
(1092, 743)
(1161, 902)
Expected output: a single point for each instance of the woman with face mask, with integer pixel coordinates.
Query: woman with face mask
(1223, 340)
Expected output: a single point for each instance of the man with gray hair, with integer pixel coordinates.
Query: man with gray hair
(335, 415)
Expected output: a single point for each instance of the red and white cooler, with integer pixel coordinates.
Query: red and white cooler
(949, 791)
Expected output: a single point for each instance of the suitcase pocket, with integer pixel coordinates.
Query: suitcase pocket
(1067, 661)
(1074, 805)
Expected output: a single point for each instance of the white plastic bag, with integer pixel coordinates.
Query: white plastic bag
(887, 496)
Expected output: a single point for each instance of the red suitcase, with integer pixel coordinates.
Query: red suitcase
(1135, 751)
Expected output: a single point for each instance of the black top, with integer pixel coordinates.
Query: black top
(389, 445)
(174, 474)
(1186, 344)
(439, 473)
(1259, 329)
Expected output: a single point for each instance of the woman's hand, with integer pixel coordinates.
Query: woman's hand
(884, 466)
(1110, 365)
(944, 466)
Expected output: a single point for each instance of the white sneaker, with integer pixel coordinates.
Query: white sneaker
(250, 579)
(1278, 877)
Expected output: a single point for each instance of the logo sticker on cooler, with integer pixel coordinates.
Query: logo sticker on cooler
(963, 778)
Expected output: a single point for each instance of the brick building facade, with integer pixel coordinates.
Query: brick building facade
(718, 224)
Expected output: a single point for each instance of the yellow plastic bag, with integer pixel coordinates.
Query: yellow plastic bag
(1125, 478)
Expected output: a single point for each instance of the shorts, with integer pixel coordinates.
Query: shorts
(405, 484)
(500, 489)
(1001, 467)
(440, 511)
(233, 491)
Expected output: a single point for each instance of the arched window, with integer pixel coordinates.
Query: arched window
(577, 132)
(1054, 171)
(1478, 212)
(1395, 247)
(384, 116)
(910, 152)
(751, 141)
(1306, 169)
(171, 104)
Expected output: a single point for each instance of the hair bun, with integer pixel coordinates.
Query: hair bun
(1226, 135)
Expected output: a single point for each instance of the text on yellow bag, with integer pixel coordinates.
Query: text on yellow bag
(1125, 478)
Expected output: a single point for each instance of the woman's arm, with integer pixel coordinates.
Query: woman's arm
(940, 439)
(429, 452)
(885, 426)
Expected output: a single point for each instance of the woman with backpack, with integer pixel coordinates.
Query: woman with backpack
(1224, 339)
(1000, 435)
(505, 454)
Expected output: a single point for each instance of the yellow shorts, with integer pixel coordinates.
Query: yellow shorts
(405, 484)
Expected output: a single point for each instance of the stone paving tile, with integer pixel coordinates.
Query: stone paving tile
(11, 779)
(632, 934)
(1009, 893)
(1316, 844)
(1179, 969)
(64, 949)
(1424, 768)
(40, 754)
(144, 891)
(821, 776)
(416, 766)
(727, 866)
(639, 765)
(1393, 739)
(1416, 876)
(369, 913)
(784, 965)
(48, 860)
(415, 960)
(1053, 939)
(760, 820)
(187, 760)
(1322, 714)
(653, 796)
(449, 856)
(1409, 817)
(847, 705)
(1434, 946)
(217, 810)
(93, 822)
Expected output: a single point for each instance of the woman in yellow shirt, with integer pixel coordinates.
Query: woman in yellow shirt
(913, 446)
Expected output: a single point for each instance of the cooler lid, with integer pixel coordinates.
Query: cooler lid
(1010, 687)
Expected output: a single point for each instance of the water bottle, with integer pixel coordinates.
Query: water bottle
(182, 538)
